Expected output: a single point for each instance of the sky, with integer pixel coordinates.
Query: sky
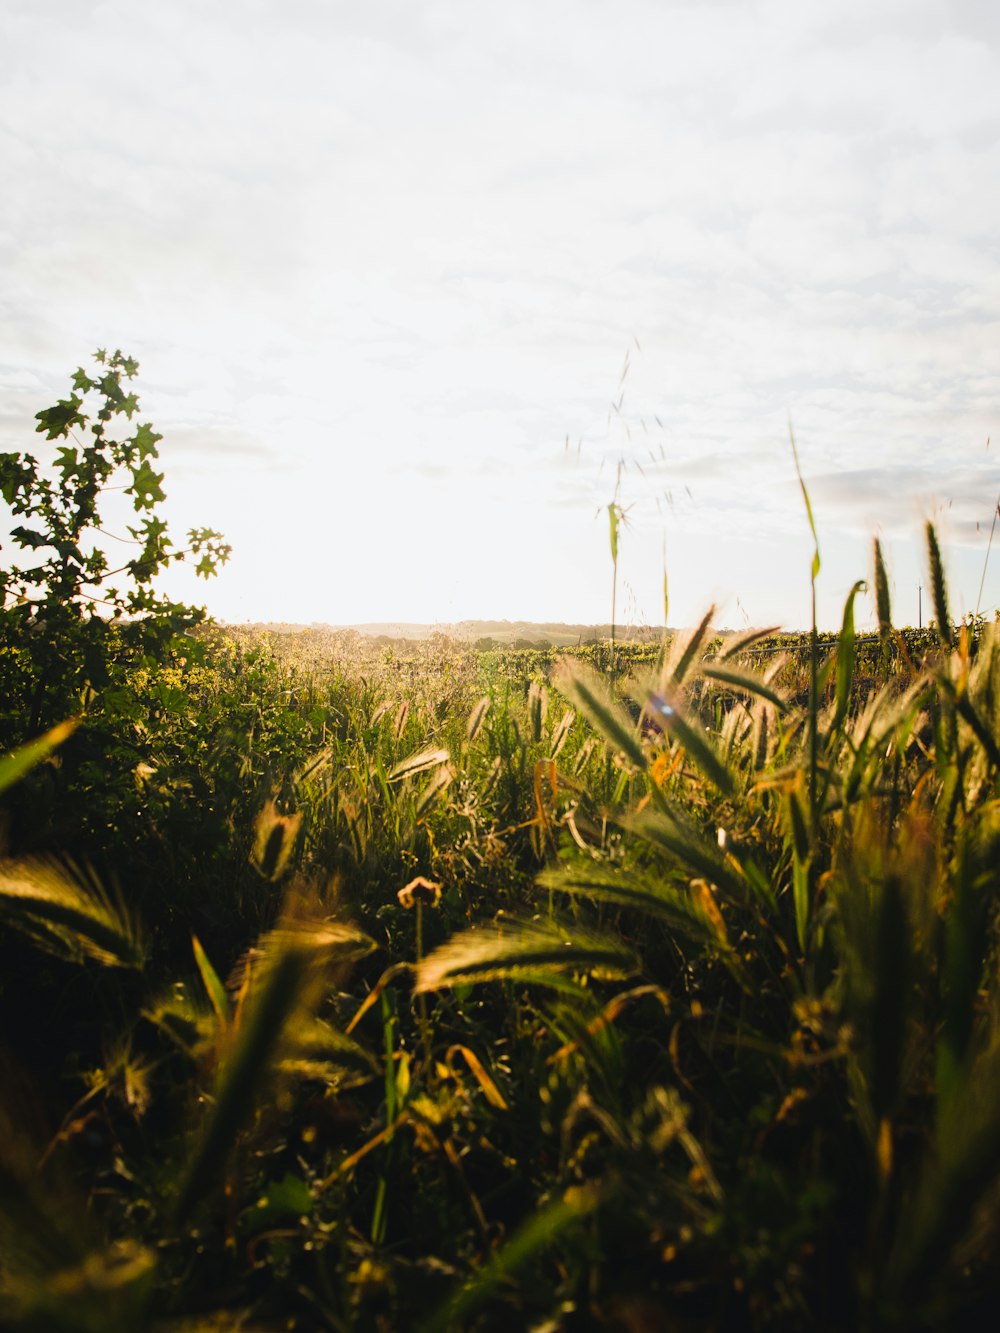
(419, 289)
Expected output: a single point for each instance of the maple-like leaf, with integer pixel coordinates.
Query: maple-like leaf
(145, 440)
(60, 420)
(146, 486)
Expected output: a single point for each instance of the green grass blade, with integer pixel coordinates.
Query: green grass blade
(678, 670)
(743, 642)
(210, 980)
(686, 845)
(746, 684)
(691, 735)
(845, 657)
(815, 566)
(13, 766)
(540, 1231)
(883, 608)
(801, 895)
(939, 590)
(241, 1078)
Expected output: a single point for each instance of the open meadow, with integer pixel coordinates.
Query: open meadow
(363, 986)
(358, 984)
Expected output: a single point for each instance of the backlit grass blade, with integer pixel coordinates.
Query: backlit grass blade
(746, 684)
(313, 1048)
(274, 841)
(845, 656)
(326, 942)
(69, 912)
(633, 890)
(538, 702)
(687, 846)
(815, 566)
(883, 607)
(542, 1229)
(692, 736)
(814, 690)
(969, 714)
(742, 642)
(210, 980)
(476, 718)
(801, 896)
(242, 1077)
(13, 766)
(417, 763)
(515, 947)
(939, 590)
(590, 695)
(682, 659)
(561, 731)
(438, 783)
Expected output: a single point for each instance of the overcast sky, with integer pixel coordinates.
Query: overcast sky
(379, 263)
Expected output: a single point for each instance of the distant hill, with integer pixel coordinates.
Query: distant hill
(482, 632)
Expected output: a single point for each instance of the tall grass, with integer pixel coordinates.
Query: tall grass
(696, 1020)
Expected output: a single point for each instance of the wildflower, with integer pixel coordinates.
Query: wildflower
(418, 891)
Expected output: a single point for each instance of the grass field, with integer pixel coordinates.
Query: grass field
(628, 987)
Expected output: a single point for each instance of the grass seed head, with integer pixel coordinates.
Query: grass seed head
(882, 604)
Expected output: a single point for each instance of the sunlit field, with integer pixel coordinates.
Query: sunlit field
(418, 985)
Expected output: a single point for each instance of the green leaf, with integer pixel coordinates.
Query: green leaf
(145, 440)
(29, 538)
(286, 1198)
(146, 486)
(61, 419)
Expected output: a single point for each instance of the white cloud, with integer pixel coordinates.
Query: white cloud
(379, 261)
